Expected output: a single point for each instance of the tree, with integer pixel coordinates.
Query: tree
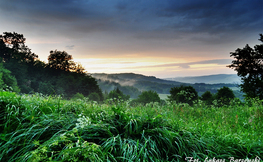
(7, 81)
(224, 95)
(4, 51)
(60, 60)
(14, 40)
(78, 96)
(248, 63)
(46, 88)
(148, 96)
(183, 94)
(77, 68)
(12, 46)
(117, 94)
(94, 97)
(207, 97)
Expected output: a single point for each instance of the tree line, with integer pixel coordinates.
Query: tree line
(22, 71)
(25, 73)
(248, 63)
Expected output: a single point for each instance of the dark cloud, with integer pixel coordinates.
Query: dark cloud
(178, 18)
(70, 47)
(214, 16)
(136, 26)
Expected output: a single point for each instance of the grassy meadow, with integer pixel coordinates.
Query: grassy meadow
(45, 128)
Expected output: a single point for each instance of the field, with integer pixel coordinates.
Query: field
(163, 96)
(46, 128)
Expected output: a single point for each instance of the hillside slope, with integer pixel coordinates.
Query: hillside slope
(133, 83)
(209, 79)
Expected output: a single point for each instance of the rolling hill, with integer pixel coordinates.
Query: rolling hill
(133, 84)
(209, 79)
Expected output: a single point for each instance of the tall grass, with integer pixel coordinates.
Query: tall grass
(46, 128)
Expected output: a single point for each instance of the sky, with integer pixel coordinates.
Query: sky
(162, 38)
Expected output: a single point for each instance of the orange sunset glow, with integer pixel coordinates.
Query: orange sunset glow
(161, 39)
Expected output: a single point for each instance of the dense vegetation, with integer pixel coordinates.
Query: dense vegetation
(42, 125)
(7, 81)
(60, 76)
(147, 97)
(45, 128)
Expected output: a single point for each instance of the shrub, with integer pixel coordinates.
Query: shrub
(148, 96)
(224, 95)
(117, 94)
(94, 97)
(183, 94)
(207, 97)
(78, 96)
(7, 81)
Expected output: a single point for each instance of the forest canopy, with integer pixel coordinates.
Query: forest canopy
(60, 76)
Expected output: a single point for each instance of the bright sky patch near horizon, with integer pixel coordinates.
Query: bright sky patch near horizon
(163, 38)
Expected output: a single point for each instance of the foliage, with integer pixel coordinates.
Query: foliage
(78, 96)
(137, 83)
(4, 51)
(183, 94)
(13, 45)
(63, 61)
(94, 97)
(224, 96)
(46, 88)
(60, 76)
(248, 63)
(207, 97)
(147, 97)
(7, 81)
(45, 128)
(116, 94)
(60, 60)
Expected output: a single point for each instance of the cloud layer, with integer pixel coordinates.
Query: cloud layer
(184, 30)
(144, 19)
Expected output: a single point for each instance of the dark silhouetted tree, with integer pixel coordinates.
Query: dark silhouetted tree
(14, 40)
(16, 48)
(4, 51)
(77, 68)
(248, 63)
(34, 75)
(60, 60)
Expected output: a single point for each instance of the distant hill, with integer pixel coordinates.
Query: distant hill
(132, 78)
(130, 82)
(209, 79)
(133, 84)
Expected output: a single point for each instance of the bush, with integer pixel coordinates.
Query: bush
(7, 81)
(224, 95)
(46, 88)
(116, 94)
(207, 98)
(183, 94)
(78, 96)
(148, 96)
(94, 97)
